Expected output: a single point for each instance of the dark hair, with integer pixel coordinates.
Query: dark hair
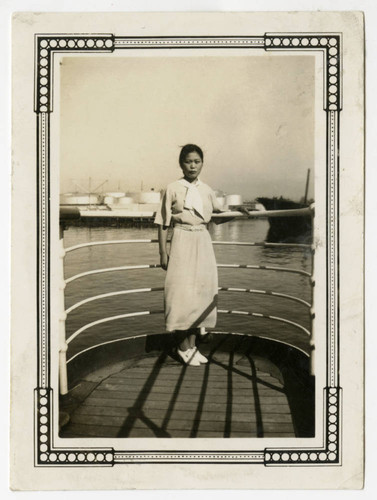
(189, 148)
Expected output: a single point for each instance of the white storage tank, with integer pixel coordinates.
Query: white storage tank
(113, 197)
(233, 200)
(124, 201)
(221, 201)
(115, 194)
(80, 199)
(135, 196)
(108, 200)
(149, 197)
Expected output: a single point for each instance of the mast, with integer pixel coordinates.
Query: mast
(307, 186)
(100, 186)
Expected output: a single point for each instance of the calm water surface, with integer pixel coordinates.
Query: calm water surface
(106, 256)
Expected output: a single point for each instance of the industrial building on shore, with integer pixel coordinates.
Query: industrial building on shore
(121, 203)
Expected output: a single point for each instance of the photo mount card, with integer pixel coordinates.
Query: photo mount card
(330, 45)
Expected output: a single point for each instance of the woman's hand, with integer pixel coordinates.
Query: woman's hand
(164, 260)
(243, 210)
(162, 240)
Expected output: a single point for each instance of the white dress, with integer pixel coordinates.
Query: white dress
(191, 284)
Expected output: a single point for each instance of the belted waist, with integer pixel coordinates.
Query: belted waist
(189, 227)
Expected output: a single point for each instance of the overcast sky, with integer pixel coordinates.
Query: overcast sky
(123, 119)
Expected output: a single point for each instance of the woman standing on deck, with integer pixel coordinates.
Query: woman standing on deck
(191, 284)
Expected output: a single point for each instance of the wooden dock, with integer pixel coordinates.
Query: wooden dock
(155, 395)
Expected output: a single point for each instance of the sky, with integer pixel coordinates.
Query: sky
(124, 119)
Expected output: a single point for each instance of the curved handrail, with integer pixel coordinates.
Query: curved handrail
(112, 294)
(265, 292)
(290, 212)
(261, 315)
(235, 243)
(107, 343)
(110, 242)
(147, 313)
(267, 268)
(155, 266)
(111, 269)
(111, 318)
(159, 289)
(261, 244)
(144, 335)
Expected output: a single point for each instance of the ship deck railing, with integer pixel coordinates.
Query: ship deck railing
(64, 342)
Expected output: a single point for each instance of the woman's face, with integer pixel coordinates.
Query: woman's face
(192, 166)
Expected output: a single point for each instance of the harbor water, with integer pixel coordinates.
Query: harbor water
(243, 230)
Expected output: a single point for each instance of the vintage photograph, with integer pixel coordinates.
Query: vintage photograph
(186, 209)
(187, 250)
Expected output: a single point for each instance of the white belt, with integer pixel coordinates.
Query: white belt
(188, 227)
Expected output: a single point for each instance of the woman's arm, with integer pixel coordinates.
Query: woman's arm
(162, 242)
(163, 218)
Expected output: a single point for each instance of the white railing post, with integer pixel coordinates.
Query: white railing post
(63, 346)
(312, 310)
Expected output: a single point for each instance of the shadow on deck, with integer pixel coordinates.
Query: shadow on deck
(251, 387)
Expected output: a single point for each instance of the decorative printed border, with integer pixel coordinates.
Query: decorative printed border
(46, 46)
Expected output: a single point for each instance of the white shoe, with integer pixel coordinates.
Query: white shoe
(188, 357)
(199, 356)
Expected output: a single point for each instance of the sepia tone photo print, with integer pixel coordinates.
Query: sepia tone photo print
(189, 236)
(155, 148)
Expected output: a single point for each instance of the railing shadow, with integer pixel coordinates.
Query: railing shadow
(200, 406)
(229, 398)
(136, 411)
(160, 407)
(258, 410)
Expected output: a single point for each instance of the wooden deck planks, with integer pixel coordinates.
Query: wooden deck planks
(186, 418)
(98, 402)
(156, 410)
(110, 432)
(220, 399)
